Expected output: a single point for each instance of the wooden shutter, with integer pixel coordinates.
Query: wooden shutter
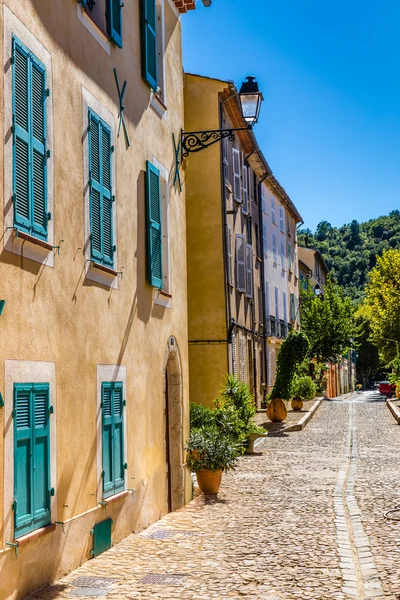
(266, 291)
(240, 263)
(237, 180)
(31, 457)
(249, 271)
(227, 162)
(281, 219)
(234, 363)
(273, 216)
(283, 258)
(242, 342)
(229, 253)
(285, 308)
(292, 308)
(149, 43)
(277, 304)
(114, 20)
(290, 256)
(251, 189)
(245, 205)
(107, 439)
(112, 405)
(118, 437)
(29, 142)
(263, 199)
(154, 232)
(274, 248)
(264, 236)
(101, 221)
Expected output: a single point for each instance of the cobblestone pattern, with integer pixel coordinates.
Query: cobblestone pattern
(271, 534)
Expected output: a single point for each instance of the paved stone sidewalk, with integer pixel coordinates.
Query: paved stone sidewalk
(272, 532)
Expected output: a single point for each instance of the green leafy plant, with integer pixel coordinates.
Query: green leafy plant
(304, 388)
(290, 356)
(208, 449)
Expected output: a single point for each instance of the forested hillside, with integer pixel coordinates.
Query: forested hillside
(350, 251)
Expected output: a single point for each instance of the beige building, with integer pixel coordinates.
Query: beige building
(93, 347)
(312, 268)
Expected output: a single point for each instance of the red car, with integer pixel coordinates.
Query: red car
(387, 389)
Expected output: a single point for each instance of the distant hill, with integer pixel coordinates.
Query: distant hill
(350, 251)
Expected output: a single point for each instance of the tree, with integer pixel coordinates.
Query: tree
(323, 230)
(327, 322)
(368, 361)
(383, 302)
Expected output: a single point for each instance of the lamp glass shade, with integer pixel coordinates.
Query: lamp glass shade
(250, 100)
(317, 290)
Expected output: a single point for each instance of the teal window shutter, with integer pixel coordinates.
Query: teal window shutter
(31, 457)
(101, 200)
(114, 21)
(149, 43)
(154, 230)
(29, 142)
(112, 438)
(292, 308)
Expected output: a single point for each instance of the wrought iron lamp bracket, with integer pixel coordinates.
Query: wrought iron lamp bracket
(194, 141)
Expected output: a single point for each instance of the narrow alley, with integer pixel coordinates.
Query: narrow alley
(304, 520)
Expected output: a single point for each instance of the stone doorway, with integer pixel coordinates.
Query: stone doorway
(174, 471)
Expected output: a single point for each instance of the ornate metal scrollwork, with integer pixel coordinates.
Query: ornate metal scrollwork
(195, 141)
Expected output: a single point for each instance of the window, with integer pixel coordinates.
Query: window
(290, 256)
(249, 230)
(249, 271)
(277, 304)
(292, 308)
(296, 264)
(274, 247)
(257, 236)
(112, 409)
(240, 263)
(227, 154)
(245, 205)
(101, 199)
(266, 291)
(283, 258)
(263, 199)
(107, 15)
(252, 198)
(281, 219)
(237, 178)
(265, 239)
(284, 308)
(154, 229)
(29, 142)
(273, 215)
(32, 490)
(229, 253)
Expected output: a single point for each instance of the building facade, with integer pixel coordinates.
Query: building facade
(93, 345)
(231, 271)
(313, 268)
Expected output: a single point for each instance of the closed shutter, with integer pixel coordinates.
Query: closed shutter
(292, 308)
(101, 221)
(240, 263)
(112, 405)
(154, 232)
(273, 215)
(114, 21)
(229, 253)
(266, 290)
(285, 308)
(31, 457)
(245, 205)
(263, 199)
(274, 247)
(283, 259)
(281, 219)
(227, 162)
(149, 43)
(237, 180)
(277, 304)
(29, 142)
(234, 363)
(251, 189)
(264, 237)
(290, 256)
(249, 271)
(242, 343)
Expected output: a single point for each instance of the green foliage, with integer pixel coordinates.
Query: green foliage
(368, 361)
(304, 388)
(232, 415)
(291, 354)
(350, 251)
(208, 449)
(327, 322)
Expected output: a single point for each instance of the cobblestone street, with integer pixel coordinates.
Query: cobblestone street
(304, 520)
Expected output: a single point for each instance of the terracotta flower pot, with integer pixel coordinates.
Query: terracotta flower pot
(277, 411)
(209, 481)
(297, 404)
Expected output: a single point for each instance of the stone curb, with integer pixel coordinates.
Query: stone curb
(307, 417)
(394, 410)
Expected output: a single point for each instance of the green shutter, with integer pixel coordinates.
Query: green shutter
(101, 235)
(154, 233)
(112, 438)
(31, 457)
(149, 43)
(114, 21)
(292, 308)
(29, 142)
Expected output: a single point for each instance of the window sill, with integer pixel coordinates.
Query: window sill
(33, 240)
(158, 105)
(30, 537)
(104, 269)
(164, 293)
(116, 497)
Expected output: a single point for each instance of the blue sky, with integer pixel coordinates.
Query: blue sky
(330, 75)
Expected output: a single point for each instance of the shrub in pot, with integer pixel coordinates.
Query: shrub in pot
(290, 356)
(209, 454)
(303, 389)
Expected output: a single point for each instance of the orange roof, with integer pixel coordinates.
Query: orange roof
(185, 5)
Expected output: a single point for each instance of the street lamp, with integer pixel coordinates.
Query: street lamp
(317, 291)
(250, 104)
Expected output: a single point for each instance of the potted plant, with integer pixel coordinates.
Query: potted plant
(303, 389)
(209, 454)
(290, 355)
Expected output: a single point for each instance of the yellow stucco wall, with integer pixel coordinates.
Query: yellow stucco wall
(59, 316)
(206, 279)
